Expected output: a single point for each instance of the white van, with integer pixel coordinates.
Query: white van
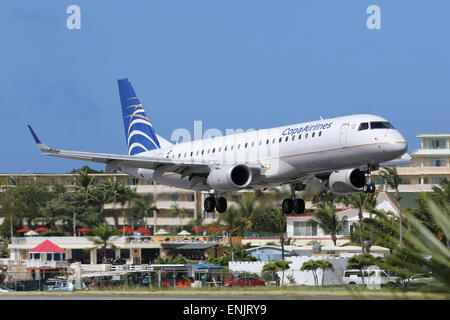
(379, 277)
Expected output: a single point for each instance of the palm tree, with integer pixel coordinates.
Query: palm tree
(370, 207)
(359, 200)
(83, 181)
(100, 195)
(176, 211)
(247, 210)
(392, 179)
(102, 237)
(277, 219)
(326, 198)
(327, 220)
(145, 205)
(231, 220)
(120, 193)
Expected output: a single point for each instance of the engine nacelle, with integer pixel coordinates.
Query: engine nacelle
(229, 177)
(347, 181)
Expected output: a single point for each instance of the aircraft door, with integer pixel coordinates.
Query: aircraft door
(343, 135)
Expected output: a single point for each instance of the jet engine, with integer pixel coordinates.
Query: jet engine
(347, 181)
(225, 178)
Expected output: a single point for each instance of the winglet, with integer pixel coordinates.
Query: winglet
(41, 146)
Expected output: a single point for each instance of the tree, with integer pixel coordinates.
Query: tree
(271, 267)
(327, 220)
(362, 261)
(83, 181)
(359, 200)
(314, 265)
(423, 252)
(247, 211)
(103, 237)
(326, 199)
(277, 219)
(231, 219)
(176, 211)
(144, 205)
(392, 179)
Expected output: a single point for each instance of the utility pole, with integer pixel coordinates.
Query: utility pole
(74, 222)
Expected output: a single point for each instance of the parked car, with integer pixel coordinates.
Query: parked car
(5, 289)
(381, 277)
(245, 282)
(59, 285)
(419, 279)
(104, 284)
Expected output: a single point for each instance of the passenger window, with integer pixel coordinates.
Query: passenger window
(287, 138)
(313, 134)
(363, 126)
(280, 140)
(267, 142)
(203, 151)
(214, 150)
(246, 144)
(273, 141)
(293, 137)
(239, 146)
(306, 136)
(320, 133)
(232, 147)
(299, 136)
(192, 153)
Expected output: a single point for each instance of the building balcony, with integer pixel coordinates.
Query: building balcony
(41, 264)
(416, 171)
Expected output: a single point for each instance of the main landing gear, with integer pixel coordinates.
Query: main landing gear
(293, 204)
(215, 202)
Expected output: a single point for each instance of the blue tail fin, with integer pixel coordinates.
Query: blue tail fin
(139, 132)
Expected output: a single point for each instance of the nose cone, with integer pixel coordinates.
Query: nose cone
(396, 144)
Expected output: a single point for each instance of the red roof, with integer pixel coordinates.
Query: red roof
(47, 246)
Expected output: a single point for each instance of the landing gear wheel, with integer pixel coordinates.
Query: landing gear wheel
(221, 204)
(209, 204)
(287, 206)
(299, 206)
(369, 188)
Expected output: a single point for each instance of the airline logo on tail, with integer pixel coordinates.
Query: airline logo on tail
(139, 133)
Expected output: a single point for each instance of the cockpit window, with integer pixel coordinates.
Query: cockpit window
(363, 126)
(380, 125)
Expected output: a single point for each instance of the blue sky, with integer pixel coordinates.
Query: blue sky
(232, 64)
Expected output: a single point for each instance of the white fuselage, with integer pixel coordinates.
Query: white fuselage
(289, 153)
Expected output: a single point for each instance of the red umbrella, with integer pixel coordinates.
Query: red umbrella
(143, 230)
(212, 228)
(198, 229)
(84, 230)
(41, 229)
(126, 229)
(23, 230)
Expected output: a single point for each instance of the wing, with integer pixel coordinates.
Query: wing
(161, 165)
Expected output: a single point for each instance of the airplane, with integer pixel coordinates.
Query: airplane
(338, 154)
